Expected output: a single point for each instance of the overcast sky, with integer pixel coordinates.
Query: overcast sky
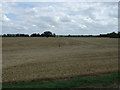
(60, 17)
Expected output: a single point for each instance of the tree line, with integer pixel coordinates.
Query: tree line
(45, 34)
(50, 34)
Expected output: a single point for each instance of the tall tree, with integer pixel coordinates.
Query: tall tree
(47, 34)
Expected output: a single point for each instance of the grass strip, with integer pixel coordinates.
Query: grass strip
(74, 82)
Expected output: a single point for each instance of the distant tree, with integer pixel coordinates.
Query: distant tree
(47, 34)
(103, 35)
(113, 35)
(35, 35)
(4, 35)
(119, 34)
(69, 35)
(54, 35)
(15, 35)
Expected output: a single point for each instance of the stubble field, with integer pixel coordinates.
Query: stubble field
(37, 58)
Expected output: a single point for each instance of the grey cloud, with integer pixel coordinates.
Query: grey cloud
(62, 18)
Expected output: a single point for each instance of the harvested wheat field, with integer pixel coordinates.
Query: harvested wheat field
(40, 58)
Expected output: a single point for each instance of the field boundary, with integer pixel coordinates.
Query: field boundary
(104, 81)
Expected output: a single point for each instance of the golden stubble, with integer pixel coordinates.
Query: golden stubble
(37, 58)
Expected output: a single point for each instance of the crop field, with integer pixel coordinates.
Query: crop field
(41, 58)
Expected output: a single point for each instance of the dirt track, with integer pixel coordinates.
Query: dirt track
(41, 58)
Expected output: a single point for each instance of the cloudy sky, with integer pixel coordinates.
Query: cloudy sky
(60, 17)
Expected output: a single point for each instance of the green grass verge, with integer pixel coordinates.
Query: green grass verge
(74, 82)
